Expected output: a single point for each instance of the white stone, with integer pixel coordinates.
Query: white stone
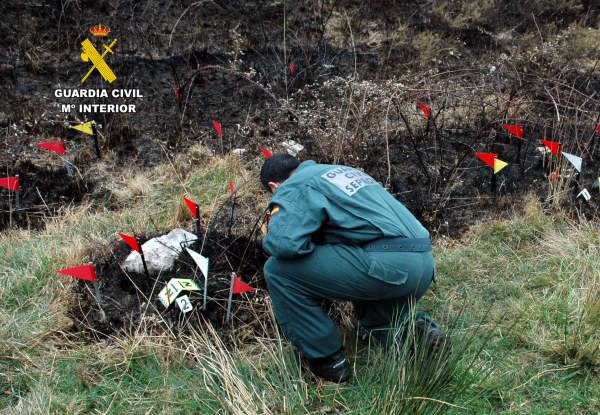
(293, 147)
(160, 253)
(238, 151)
(543, 150)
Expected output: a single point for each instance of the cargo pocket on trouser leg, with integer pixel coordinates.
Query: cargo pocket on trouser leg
(391, 282)
(387, 273)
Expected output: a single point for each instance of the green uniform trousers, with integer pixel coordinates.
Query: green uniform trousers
(381, 285)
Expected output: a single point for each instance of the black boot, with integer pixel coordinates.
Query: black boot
(429, 333)
(334, 368)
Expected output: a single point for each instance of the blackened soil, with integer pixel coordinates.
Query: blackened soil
(48, 192)
(229, 61)
(129, 301)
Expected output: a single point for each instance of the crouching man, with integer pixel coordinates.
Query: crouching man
(335, 233)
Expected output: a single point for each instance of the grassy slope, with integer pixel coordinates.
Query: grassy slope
(540, 270)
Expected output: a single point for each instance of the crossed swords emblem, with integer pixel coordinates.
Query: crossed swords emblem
(91, 54)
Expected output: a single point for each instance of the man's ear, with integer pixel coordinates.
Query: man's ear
(273, 186)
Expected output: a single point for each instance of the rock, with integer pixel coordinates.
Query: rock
(293, 147)
(160, 253)
(238, 151)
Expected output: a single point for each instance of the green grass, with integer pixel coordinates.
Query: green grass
(543, 271)
(520, 299)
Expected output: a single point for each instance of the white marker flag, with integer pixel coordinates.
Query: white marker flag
(575, 160)
(585, 194)
(202, 263)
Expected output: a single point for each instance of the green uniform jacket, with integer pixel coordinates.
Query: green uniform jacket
(328, 204)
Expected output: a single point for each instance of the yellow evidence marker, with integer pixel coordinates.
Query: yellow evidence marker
(174, 287)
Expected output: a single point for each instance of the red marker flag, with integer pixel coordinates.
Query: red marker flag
(192, 206)
(218, 128)
(515, 130)
(598, 129)
(553, 146)
(292, 69)
(238, 286)
(177, 93)
(84, 272)
(426, 110)
(132, 242)
(492, 161)
(265, 152)
(231, 188)
(11, 183)
(487, 158)
(55, 146)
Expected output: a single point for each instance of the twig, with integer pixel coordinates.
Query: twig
(537, 375)
(387, 145)
(411, 398)
(183, 14)
(412, 139)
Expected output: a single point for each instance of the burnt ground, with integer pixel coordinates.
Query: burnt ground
(129, 301)
(359, 71)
